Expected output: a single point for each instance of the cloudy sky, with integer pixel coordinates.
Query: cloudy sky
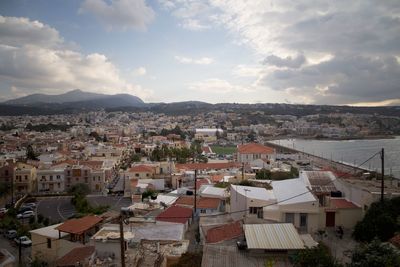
(317, 52)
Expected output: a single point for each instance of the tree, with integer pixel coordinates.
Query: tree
(263, 174)
(37, 262)
(315, 257)
(251, 136)
(79, 189)
(30, 153)
(136, 157)
(375, 254)
(380, 221)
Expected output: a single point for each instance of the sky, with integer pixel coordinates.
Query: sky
(257, 51)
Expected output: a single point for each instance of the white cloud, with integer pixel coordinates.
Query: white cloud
(120, 14)
(141, 71)
(294, 36)
(193, 25)
(199, 61)
(16, 31)
(217, 86)
(30, 67)
(247, 71)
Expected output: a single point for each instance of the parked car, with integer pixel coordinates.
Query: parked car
(30, 205)
(10, 234)
(24, 209)
(26, 214)
(23, 240)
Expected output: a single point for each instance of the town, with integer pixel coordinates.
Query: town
(150, 189)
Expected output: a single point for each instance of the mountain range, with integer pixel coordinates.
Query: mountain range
(76, 101)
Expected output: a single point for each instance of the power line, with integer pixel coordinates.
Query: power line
(271, 204)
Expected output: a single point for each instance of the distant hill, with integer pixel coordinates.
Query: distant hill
(77, 99)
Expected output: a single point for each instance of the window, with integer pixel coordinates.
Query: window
(51, 177)
(58, 176)
(86, 180)
(137, 174)
(253, 210)
(303, 219)
(260, 213)
(202, 211)
(289, 218)
(6, 172)
(59, 185)
(26, 177)
(48, 243)
(147, 174)
(94, 178)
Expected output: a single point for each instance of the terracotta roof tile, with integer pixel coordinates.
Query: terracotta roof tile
(208, 203)
(185, 200)
(224, 232)
(341, 203)
(76, 255)
(202, 203)
(141, 168)
(78, 226)
(175, 214)
(254, 148)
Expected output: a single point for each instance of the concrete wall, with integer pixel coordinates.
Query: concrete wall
(59, 247)
(348, 218)
(108, 249)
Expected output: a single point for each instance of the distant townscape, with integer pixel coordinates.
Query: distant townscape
(207, 188)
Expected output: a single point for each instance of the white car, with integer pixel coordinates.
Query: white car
(23, 240)
(26, 214)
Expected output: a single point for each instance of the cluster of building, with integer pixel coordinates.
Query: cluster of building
(221, 199)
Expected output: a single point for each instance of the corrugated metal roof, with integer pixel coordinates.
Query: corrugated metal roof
(280, 236)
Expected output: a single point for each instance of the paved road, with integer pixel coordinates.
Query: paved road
(12, 247)
(59, 209)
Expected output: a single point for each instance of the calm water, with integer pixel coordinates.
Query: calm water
(352, 151)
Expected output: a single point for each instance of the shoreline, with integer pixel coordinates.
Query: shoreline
(372, 137)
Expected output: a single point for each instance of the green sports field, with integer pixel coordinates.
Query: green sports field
(223, 150)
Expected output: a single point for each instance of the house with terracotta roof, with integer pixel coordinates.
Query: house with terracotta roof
(141, 172)
(205, 205)
(48, 244)
(223, 232)
(80, 229)
(247, 153)
(77, 257)
(175, 215)
(341, 212)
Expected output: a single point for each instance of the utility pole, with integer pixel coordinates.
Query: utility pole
(19, 252)
(12, 191)
(383, 173)
(121, 239)
(242, 171)
(195, 192)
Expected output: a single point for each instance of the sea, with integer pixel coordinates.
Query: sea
(352, 152)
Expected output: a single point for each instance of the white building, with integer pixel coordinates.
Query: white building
(51, 181)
